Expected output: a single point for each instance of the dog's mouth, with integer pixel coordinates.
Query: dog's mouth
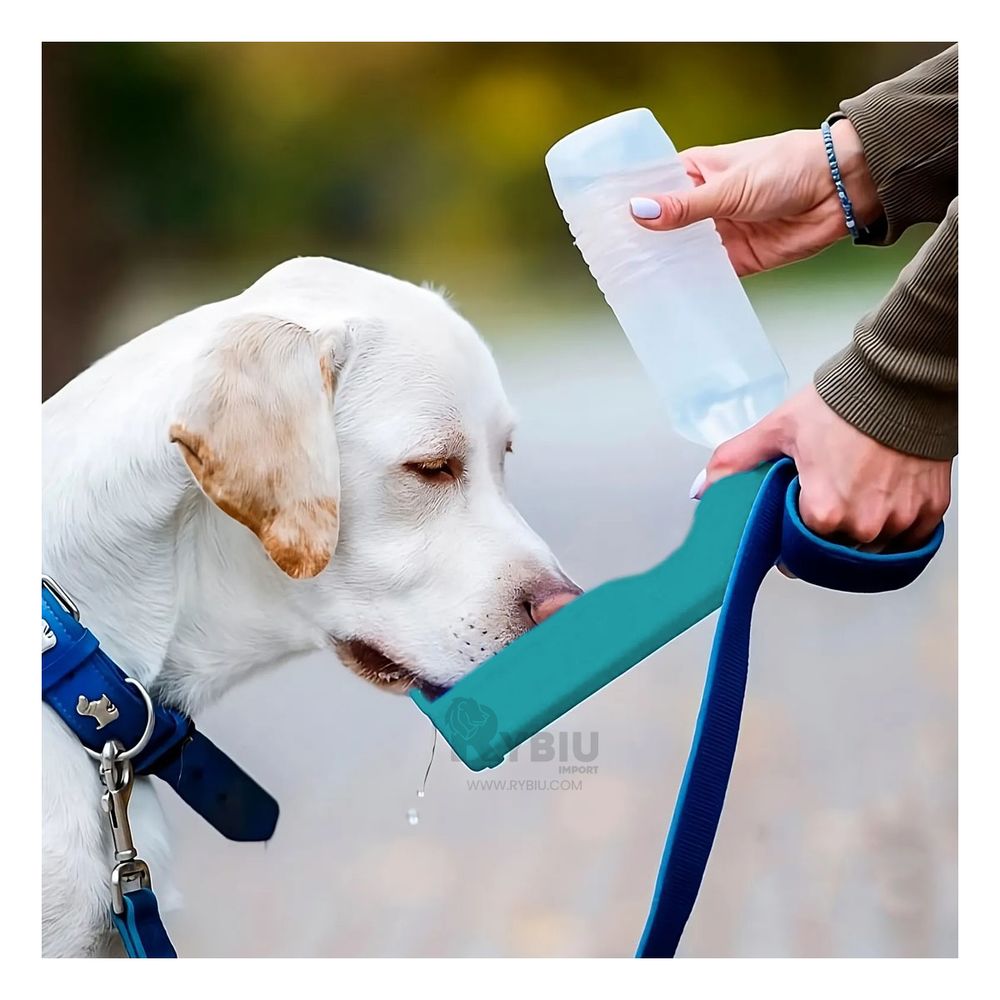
(370, 663)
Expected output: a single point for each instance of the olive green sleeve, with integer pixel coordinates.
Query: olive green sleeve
(908, 128)
(898, 381)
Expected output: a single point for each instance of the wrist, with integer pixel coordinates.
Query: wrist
(854, 172)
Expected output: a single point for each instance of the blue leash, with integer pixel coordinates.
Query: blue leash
(774, 531)
(119, 724)
(141, 929)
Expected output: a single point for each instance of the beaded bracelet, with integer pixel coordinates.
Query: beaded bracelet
(845, 202)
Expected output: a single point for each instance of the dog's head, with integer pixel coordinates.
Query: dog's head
(356, 425)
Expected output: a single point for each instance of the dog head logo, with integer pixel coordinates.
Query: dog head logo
(102, 709)
(48, 636)
(472, 723)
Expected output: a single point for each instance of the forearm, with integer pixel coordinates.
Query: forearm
(908, 128)
(898, 381)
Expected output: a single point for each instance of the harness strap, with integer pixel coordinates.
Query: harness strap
(89, 692)
(774, 531)
(141, 928)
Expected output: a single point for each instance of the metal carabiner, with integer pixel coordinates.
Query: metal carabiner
(129, 873)
(117, 774)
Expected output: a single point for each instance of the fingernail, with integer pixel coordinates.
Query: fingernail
(644, 208)
(699, 482)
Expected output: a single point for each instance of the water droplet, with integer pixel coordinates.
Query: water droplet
(412, 816)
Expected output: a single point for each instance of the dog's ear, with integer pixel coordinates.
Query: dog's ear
(256, 430)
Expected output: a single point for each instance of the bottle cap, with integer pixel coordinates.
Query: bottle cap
(629, 140)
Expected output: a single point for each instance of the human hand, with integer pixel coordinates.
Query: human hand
(854, 489)
(772, 198)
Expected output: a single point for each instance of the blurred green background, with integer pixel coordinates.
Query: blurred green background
(175, 175)
(191, 168)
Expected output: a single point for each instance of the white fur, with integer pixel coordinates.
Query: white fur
(186, 599)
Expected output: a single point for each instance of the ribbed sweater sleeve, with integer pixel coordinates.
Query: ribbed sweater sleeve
(898, 381)
(908, 128)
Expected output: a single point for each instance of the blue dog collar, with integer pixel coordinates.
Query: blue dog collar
(118, 723)
(92, 696)
(91, 693)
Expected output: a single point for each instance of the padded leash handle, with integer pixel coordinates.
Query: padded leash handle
(774, 530)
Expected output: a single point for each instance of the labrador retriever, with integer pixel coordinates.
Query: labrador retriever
(315, 463)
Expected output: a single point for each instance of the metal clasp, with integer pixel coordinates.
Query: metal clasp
(126, 877)
(129, 873)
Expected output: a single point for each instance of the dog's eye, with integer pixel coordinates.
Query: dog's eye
(436, 469)
(509, 448)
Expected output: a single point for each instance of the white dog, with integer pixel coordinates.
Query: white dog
(315, 463)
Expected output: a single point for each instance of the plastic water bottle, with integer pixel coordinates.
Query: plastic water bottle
(675, 293)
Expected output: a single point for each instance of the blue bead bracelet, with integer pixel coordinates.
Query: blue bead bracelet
(838, 183)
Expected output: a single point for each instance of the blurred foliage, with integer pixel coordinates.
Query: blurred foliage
(418, 158)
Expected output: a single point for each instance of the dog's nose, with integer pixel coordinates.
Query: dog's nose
(547, 598)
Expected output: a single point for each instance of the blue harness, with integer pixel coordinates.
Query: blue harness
(774, 533)
(119, 724)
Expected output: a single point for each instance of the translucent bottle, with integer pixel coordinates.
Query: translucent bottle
(675, 293)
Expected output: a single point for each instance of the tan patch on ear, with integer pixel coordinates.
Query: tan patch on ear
(290, 536)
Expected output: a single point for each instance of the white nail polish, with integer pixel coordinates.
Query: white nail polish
(696, 486)
(644, 208)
